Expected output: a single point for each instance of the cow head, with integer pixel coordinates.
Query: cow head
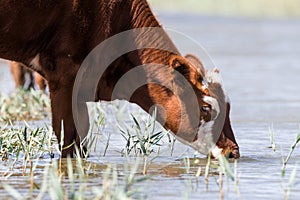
(213, 128)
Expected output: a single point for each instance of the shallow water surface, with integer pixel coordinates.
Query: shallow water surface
(259, 62)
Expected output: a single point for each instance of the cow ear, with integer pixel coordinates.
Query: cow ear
(181, 65)
(196, 62)
(184, 67)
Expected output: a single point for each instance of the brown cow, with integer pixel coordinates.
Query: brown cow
(19, 71)
(53, 37)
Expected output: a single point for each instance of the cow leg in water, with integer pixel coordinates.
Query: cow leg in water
(61, 106)
(61, 87)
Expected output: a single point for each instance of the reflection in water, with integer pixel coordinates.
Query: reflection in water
(93, 174)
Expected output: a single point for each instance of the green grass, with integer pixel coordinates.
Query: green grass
(291, 183)
(24, 105)
(142, 138)
(287, 188)
(272, 141)
(292, 148)
(26, 143)
(62, 179)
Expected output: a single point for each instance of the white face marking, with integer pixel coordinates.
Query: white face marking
(214, 76)
(35, 63)
(216, 152)
(204, 142)
(214, 104)
(204, 87)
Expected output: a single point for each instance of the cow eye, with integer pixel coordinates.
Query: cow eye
(205, 109)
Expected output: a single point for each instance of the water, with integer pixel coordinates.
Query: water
(259, 61)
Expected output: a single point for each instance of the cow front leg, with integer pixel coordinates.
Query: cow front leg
(60, 75)
(62, 113)
(61, 106)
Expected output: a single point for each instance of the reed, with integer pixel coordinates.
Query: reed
(292, 148)
(142, 137)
